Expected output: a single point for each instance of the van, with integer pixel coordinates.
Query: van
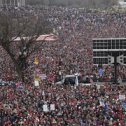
(73, 79)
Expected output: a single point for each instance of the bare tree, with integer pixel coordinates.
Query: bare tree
(26, 29)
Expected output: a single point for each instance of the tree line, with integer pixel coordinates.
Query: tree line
(75, 3)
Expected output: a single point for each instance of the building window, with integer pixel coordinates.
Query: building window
(117, 44)
(100, 60)
(113, 44)
(94, 45)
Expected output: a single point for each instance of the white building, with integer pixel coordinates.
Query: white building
(122, 3)
(12, 2)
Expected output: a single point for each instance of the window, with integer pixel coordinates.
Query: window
(124, 53)
(124, 44)
(109, 44)
(94, 45)
(121, 44)
(117, 44)
(124, 60)
(100, 53)
(105, 45)
(100, 45)
(94, 53)
(100, 60)
(113, 44)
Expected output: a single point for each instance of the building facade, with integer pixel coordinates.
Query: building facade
(104, 47)
(12, 2)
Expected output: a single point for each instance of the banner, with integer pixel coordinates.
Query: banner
(43, 76)
(122, 97)
(37, 78)
(52, 107)
(36, 83)
(98, 86)
(36, 61)
(124, 105)
(100, 72)
(45, 108)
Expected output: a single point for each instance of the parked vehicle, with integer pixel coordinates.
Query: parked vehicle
(74, 79)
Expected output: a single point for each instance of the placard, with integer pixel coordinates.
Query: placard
(124, 105)
(52, 107)
(43, 76)
(45, 108)
(122, 97)
(36, 83)
(98, 87)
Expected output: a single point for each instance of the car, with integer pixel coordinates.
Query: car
(74, 79)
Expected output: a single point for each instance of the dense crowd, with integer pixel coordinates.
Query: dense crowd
(75, 28)
(92, 105)
(57, 105)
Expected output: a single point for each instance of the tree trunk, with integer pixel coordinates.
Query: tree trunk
(20, 73)
(19, 69)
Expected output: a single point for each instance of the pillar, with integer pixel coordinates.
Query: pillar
(23, 2)
(17, 2)
(5, 2)
(0, 2)
(10, 3)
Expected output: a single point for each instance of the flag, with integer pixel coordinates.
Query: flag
(101, 72)
(37, 78)
(36, 61)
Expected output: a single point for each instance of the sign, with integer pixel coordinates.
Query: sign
(122, 97)
(36, 61)
(52, 107)
(101, 102)
(43, 93)
(37, 78)
(36, 83)
(43, 76)
(124, 105)
(45, 108)
(98, 86)
(101, 72)
(20, 87)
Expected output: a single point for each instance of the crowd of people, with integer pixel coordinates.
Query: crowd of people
(58, 105)
(75, 28)
(93, 105)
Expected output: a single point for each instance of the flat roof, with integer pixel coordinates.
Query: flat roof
(109, 39)
(46, 37)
